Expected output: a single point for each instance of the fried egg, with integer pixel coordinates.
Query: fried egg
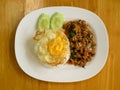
(52, 47)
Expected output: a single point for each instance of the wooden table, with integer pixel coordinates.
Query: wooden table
(13, 78)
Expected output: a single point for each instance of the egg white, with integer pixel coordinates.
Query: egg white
(42, 47)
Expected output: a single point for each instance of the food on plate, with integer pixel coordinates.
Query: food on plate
(82, 42)
(58, 42)
(52, 47)
(56, 21)
(43, 22)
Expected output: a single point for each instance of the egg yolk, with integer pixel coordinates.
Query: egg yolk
(55, 46)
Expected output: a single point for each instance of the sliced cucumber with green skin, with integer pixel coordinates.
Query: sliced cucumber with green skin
(56, 21)
(43, 22)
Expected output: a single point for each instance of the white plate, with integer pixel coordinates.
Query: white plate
(29, 63)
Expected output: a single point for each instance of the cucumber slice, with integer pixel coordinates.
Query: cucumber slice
(43, 21)
(56, 21)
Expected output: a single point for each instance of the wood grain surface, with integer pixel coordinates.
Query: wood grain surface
(13, 78)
